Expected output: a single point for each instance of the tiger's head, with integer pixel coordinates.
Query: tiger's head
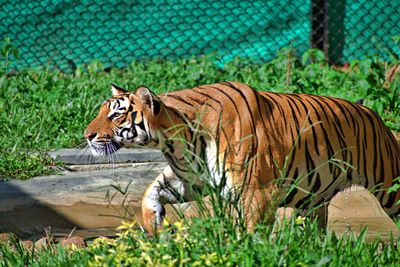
(124, 120)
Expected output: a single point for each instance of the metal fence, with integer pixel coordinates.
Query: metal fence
(352, 29)
(66, 34)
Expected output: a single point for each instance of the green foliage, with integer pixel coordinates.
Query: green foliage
(207, 242)
(44, 109)
(395, 186)
(24, 164)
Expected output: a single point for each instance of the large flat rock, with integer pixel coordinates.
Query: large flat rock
(86, 200)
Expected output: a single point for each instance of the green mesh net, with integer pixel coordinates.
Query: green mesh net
(66, 34)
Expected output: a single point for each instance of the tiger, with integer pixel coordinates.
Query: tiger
(281, 149)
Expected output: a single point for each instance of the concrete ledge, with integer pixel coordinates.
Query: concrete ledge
(84, 157)
(86, 200)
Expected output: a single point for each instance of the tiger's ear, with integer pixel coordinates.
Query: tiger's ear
(149, 99)
(116, 90)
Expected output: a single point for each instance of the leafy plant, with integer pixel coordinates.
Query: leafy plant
(25, 164)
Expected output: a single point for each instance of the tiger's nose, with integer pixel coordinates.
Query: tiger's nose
(90, 136)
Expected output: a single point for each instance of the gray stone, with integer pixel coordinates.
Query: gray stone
(83, 156)
(86, 200)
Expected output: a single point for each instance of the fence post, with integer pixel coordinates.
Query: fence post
(327, 28)
(335, 30)
(318, 24)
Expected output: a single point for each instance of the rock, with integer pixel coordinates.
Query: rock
(42, 244)
(27, 244)
(5, 237)
(356, 208)
(284, 214)
(85, 200)
(69, 242)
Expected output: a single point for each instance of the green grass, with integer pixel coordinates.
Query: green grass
(214, 242)
(41, 110)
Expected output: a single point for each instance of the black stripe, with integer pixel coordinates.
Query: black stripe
(276, 171)
(353, 122)
(271, 98)
(309, 163)
(293, 155)
(112, 116)
(391, 158)
(262, 118)
(356, 130)
(141, 124)
(288, 200)
(294, 117)
(314, 133)
(342, 109)
(235, 106)
(340, 135)
(318, 101)
(133, 117)
(329, 186)
(289, 97)
(382, 163)
(335, 117)
(206, 103)
(317, 184)
(170, 146)
(374, 138)
(254, 130)
(349, 176)
(198, 101)
(172, 160)
(390, 201)
(330, 151)
(178, 98)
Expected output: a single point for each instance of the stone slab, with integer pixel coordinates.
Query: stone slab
(123, 155)
(86, 200)
(356, 208)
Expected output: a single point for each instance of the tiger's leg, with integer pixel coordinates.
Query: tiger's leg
(321, 214)
(166, 189)
(259, 205)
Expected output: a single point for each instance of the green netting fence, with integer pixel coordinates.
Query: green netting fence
(66, 34)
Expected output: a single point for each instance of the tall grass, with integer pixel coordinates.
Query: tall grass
(42, 109)
(216, 238)
(213, 242)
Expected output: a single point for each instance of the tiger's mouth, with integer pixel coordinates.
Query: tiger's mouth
(103, 148)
